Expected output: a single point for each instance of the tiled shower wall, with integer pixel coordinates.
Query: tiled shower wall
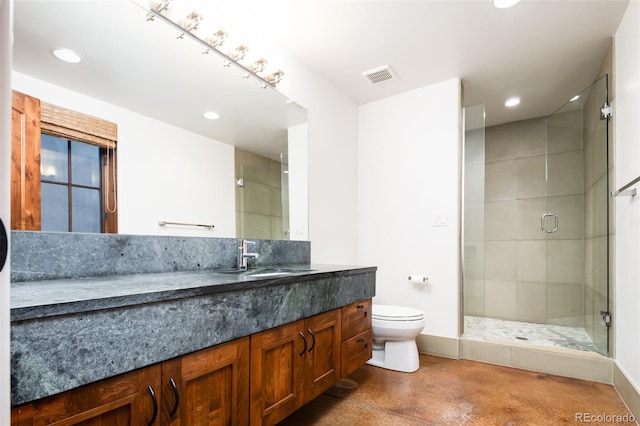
(526, 277)
(259, 203)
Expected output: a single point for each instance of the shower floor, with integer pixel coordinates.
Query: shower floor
(523, 332)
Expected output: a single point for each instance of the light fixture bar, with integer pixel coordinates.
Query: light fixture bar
(210, 44)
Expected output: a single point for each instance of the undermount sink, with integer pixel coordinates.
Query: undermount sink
(274, 272)
(269, 274)
(268, 271)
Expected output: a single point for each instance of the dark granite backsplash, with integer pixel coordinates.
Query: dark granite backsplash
(56, 255)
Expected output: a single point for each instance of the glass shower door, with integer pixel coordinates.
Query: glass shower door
(473, 229)
(576, 222)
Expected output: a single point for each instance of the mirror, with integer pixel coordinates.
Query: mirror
(173, 164)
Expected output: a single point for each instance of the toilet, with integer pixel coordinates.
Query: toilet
(395, 329)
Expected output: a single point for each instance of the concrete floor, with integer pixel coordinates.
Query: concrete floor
(460, 392)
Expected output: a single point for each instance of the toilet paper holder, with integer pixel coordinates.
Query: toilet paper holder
(419, 279)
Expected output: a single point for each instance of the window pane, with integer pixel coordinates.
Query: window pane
(55, 207)
(54, 159)
(86, 210)
(85, 164)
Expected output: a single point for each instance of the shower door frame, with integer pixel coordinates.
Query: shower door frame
(594, 244)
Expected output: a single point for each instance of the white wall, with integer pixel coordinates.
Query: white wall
(6, 41)
(408, 162)
(627, 167)
(333, 137)
(298, 150)
(165, 173)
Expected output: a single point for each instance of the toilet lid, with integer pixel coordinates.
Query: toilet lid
(396, 313)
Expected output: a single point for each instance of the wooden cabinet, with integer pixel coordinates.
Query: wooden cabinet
(322, 369)
(357, 336)
(292, 364)
(208, 387)
(122, 400)
(256, 380)
(277, 369)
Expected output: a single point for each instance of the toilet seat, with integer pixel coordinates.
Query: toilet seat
(396, 313)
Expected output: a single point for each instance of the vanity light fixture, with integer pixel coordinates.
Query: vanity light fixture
(511, 102)
(211, 115)
(189, 24)
(161, 5)
(191, 21)
(275, 77)
(216, 39)
(258, 66)
(66, 55)
(239, 53)
(503, 4)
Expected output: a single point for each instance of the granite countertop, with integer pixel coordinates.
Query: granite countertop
(119, 323)
(40, 299)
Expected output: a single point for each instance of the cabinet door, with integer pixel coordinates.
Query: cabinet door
(323, 359)
(277, 373)
(209, 387)
(124, 400)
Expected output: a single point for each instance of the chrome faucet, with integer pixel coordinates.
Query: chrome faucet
(243, 256)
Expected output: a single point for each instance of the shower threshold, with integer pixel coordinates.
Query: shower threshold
(557, 336)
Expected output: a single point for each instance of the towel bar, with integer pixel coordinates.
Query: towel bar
(163, 223)
(625, 191)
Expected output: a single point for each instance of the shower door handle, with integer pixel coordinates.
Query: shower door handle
(555, 223)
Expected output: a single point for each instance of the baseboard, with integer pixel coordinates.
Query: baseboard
(557, 361)
(446, 347)
(627, 390)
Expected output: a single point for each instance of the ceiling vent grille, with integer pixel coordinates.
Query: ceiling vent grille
(379, 75)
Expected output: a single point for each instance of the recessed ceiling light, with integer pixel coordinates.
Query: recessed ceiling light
(211, 115)
(511, 102)
(575, 98)
(503, 4)
(66, 55)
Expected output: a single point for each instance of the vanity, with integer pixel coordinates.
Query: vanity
(186, 339)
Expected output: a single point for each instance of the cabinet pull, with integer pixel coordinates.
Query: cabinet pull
(360, 307)
(305, 344)
(176, 396)
(155, 405)
(361, 341)
(313, 342)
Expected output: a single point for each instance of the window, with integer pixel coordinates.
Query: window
(63, 175)
(71, 185)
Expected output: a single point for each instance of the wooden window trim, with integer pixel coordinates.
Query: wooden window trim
(58, 121)
(25, 163)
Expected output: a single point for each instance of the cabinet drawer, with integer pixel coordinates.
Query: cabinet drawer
(356, 351)
(356, 318)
